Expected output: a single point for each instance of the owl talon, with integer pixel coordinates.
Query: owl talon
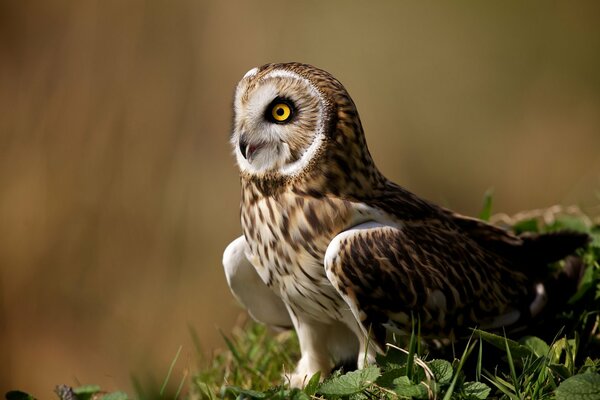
(297, 380)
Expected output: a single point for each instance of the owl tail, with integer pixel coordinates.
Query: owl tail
(539, 250)
(559, 286)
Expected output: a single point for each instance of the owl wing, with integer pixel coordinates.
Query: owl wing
(248, 288)
(427, 268)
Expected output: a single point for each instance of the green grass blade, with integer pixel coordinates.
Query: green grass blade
(468, 348)
(411, 352)
(180, 387)
(486, 211)
(479, 362)
(513, 371)
(164, 385)
(234, 352)
(501, 385)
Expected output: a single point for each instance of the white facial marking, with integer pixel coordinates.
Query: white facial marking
(273, 151)
(250, 73)
(302, 162)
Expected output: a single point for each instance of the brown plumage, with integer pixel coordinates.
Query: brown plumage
(335, 249)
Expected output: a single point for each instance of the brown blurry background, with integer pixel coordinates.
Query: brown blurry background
(118, 192)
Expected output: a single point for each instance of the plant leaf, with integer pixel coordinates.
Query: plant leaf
(313, 384)
(296, 394)
(350, 383)
(406, 388)
(585, 284)
(442, 370)
(486, 211)
(568, 223)
(527, 225)
(537, 345)
(582, 386)
(387, 378)
(86, 389)
(595, 238)
(18, 395)
(476, 390)
(560, 370)
(501, 342)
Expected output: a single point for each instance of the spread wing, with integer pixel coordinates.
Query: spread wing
(248, 288)
(428, 268)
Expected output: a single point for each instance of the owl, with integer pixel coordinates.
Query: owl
(334, 250)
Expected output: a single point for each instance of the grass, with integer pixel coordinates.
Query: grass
(487, 365)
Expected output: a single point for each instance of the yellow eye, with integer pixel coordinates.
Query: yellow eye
(281, 112)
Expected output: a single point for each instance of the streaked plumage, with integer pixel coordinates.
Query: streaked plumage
(335, 249)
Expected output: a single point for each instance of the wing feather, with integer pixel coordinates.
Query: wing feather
(424, 267)
(248, 288)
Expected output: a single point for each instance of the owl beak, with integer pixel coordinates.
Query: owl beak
(243, 146)
(247, 149)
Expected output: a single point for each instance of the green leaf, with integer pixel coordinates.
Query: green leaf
(393, 359)
(442, 370)
(560, 370)
(86, 389)
(590, 365)
(387, 378)
(527, 225)
(501, 342)
(486, 211)
(537, 345)
(18, 395)
(476, 390)
(595, 238)
(581, 387)
(585, 284)
(568, 223)
(405, 388)
(115, 396)
(350, 383)
(86, 392)
(295, 394)
(313, 384)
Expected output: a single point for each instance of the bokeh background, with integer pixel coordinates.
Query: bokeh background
(118, 192)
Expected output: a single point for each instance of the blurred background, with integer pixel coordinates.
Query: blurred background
(118, 191)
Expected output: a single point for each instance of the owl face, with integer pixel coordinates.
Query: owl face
(279, 119)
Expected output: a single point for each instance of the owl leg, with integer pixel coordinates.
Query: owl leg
(367, 349)
(366, 354)
(313, 348)
(343, 344)
(248, 288)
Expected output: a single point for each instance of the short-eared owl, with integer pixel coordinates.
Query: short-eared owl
(334, 249)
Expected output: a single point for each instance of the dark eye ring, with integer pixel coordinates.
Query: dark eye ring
(280, 111)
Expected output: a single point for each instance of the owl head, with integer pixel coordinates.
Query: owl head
(287, 117)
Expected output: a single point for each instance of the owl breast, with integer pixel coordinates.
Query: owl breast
(287, 237)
